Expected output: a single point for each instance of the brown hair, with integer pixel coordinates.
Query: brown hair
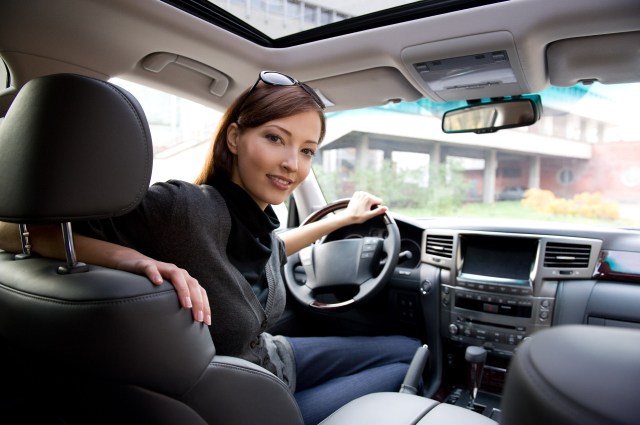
(251, 109)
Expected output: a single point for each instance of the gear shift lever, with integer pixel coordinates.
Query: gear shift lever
(475, 356)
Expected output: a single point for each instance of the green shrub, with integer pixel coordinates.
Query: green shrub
(401, 189)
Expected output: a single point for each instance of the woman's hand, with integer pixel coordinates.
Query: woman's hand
(361, 207)
(190, 293)
(358, 210)
(46, 240)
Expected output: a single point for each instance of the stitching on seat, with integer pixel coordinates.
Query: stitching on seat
(130, 299)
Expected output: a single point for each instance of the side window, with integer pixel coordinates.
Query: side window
(181, 131)
(5, 80)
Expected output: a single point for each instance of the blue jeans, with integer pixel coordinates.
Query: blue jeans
(331, 371)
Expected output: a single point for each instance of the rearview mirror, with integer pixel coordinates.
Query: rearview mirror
(489, 117)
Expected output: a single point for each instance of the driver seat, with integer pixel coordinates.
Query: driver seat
(85, 344)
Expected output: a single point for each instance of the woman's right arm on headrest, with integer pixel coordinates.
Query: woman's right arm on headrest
(46, 240)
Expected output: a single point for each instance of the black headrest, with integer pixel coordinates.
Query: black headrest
(72, 148)
(574, 375)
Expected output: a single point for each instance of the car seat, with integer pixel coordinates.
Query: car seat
(574, 375)
(86, 344)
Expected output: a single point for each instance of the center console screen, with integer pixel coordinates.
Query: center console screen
(505, 259)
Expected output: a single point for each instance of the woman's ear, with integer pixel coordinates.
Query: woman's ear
(232, 138)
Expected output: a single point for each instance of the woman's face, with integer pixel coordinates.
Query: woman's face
(273, 159)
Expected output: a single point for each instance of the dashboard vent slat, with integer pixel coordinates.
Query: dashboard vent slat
(565, 255)
(440, 245)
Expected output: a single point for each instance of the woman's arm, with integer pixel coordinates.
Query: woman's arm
(46, 240)
(359, 210)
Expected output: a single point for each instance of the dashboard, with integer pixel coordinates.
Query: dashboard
(493, 283)
(488, 283)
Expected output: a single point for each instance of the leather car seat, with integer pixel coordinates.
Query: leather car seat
(574, 375)
(86, 344)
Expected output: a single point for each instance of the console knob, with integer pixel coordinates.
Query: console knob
(453, 329)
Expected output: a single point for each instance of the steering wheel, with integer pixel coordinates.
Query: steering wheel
(343, 263)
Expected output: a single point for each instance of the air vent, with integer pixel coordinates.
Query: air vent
(440, 245)
(565, 255)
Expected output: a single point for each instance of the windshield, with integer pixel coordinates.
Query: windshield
(579, 163)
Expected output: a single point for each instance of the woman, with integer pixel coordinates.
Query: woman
(215, 241)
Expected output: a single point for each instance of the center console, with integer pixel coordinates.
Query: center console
(492, 301)
(495, 289)
(498, 288)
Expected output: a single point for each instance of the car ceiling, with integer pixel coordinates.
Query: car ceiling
(184, 54)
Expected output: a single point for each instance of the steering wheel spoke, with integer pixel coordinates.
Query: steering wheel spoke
(366, 263)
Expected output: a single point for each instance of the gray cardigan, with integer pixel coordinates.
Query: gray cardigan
(189, 225)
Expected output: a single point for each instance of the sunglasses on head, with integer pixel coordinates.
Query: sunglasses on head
(274, 78)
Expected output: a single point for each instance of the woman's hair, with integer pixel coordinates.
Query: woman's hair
(251, 109)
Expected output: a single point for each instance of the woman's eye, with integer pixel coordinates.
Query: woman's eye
(309, 152)
(273, 138)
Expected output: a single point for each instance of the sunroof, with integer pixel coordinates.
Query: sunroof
(280, 18)
(284, 23)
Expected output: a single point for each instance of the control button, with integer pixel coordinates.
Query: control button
(453, 329)
(490, 308)
(545, 303)
(544, 315)
(426, 287)
(462, 284)
(445, 289)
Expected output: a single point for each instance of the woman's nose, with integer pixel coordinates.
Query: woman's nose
(290, 160)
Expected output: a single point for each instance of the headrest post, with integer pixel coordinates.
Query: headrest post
(25, 242)
(73, 266)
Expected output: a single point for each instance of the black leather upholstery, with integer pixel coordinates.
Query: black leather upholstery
(574, 375)
(73, 148)
(103, 346)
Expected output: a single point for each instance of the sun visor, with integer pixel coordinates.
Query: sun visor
(353, 90)
(608, 59)
(476, 71)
